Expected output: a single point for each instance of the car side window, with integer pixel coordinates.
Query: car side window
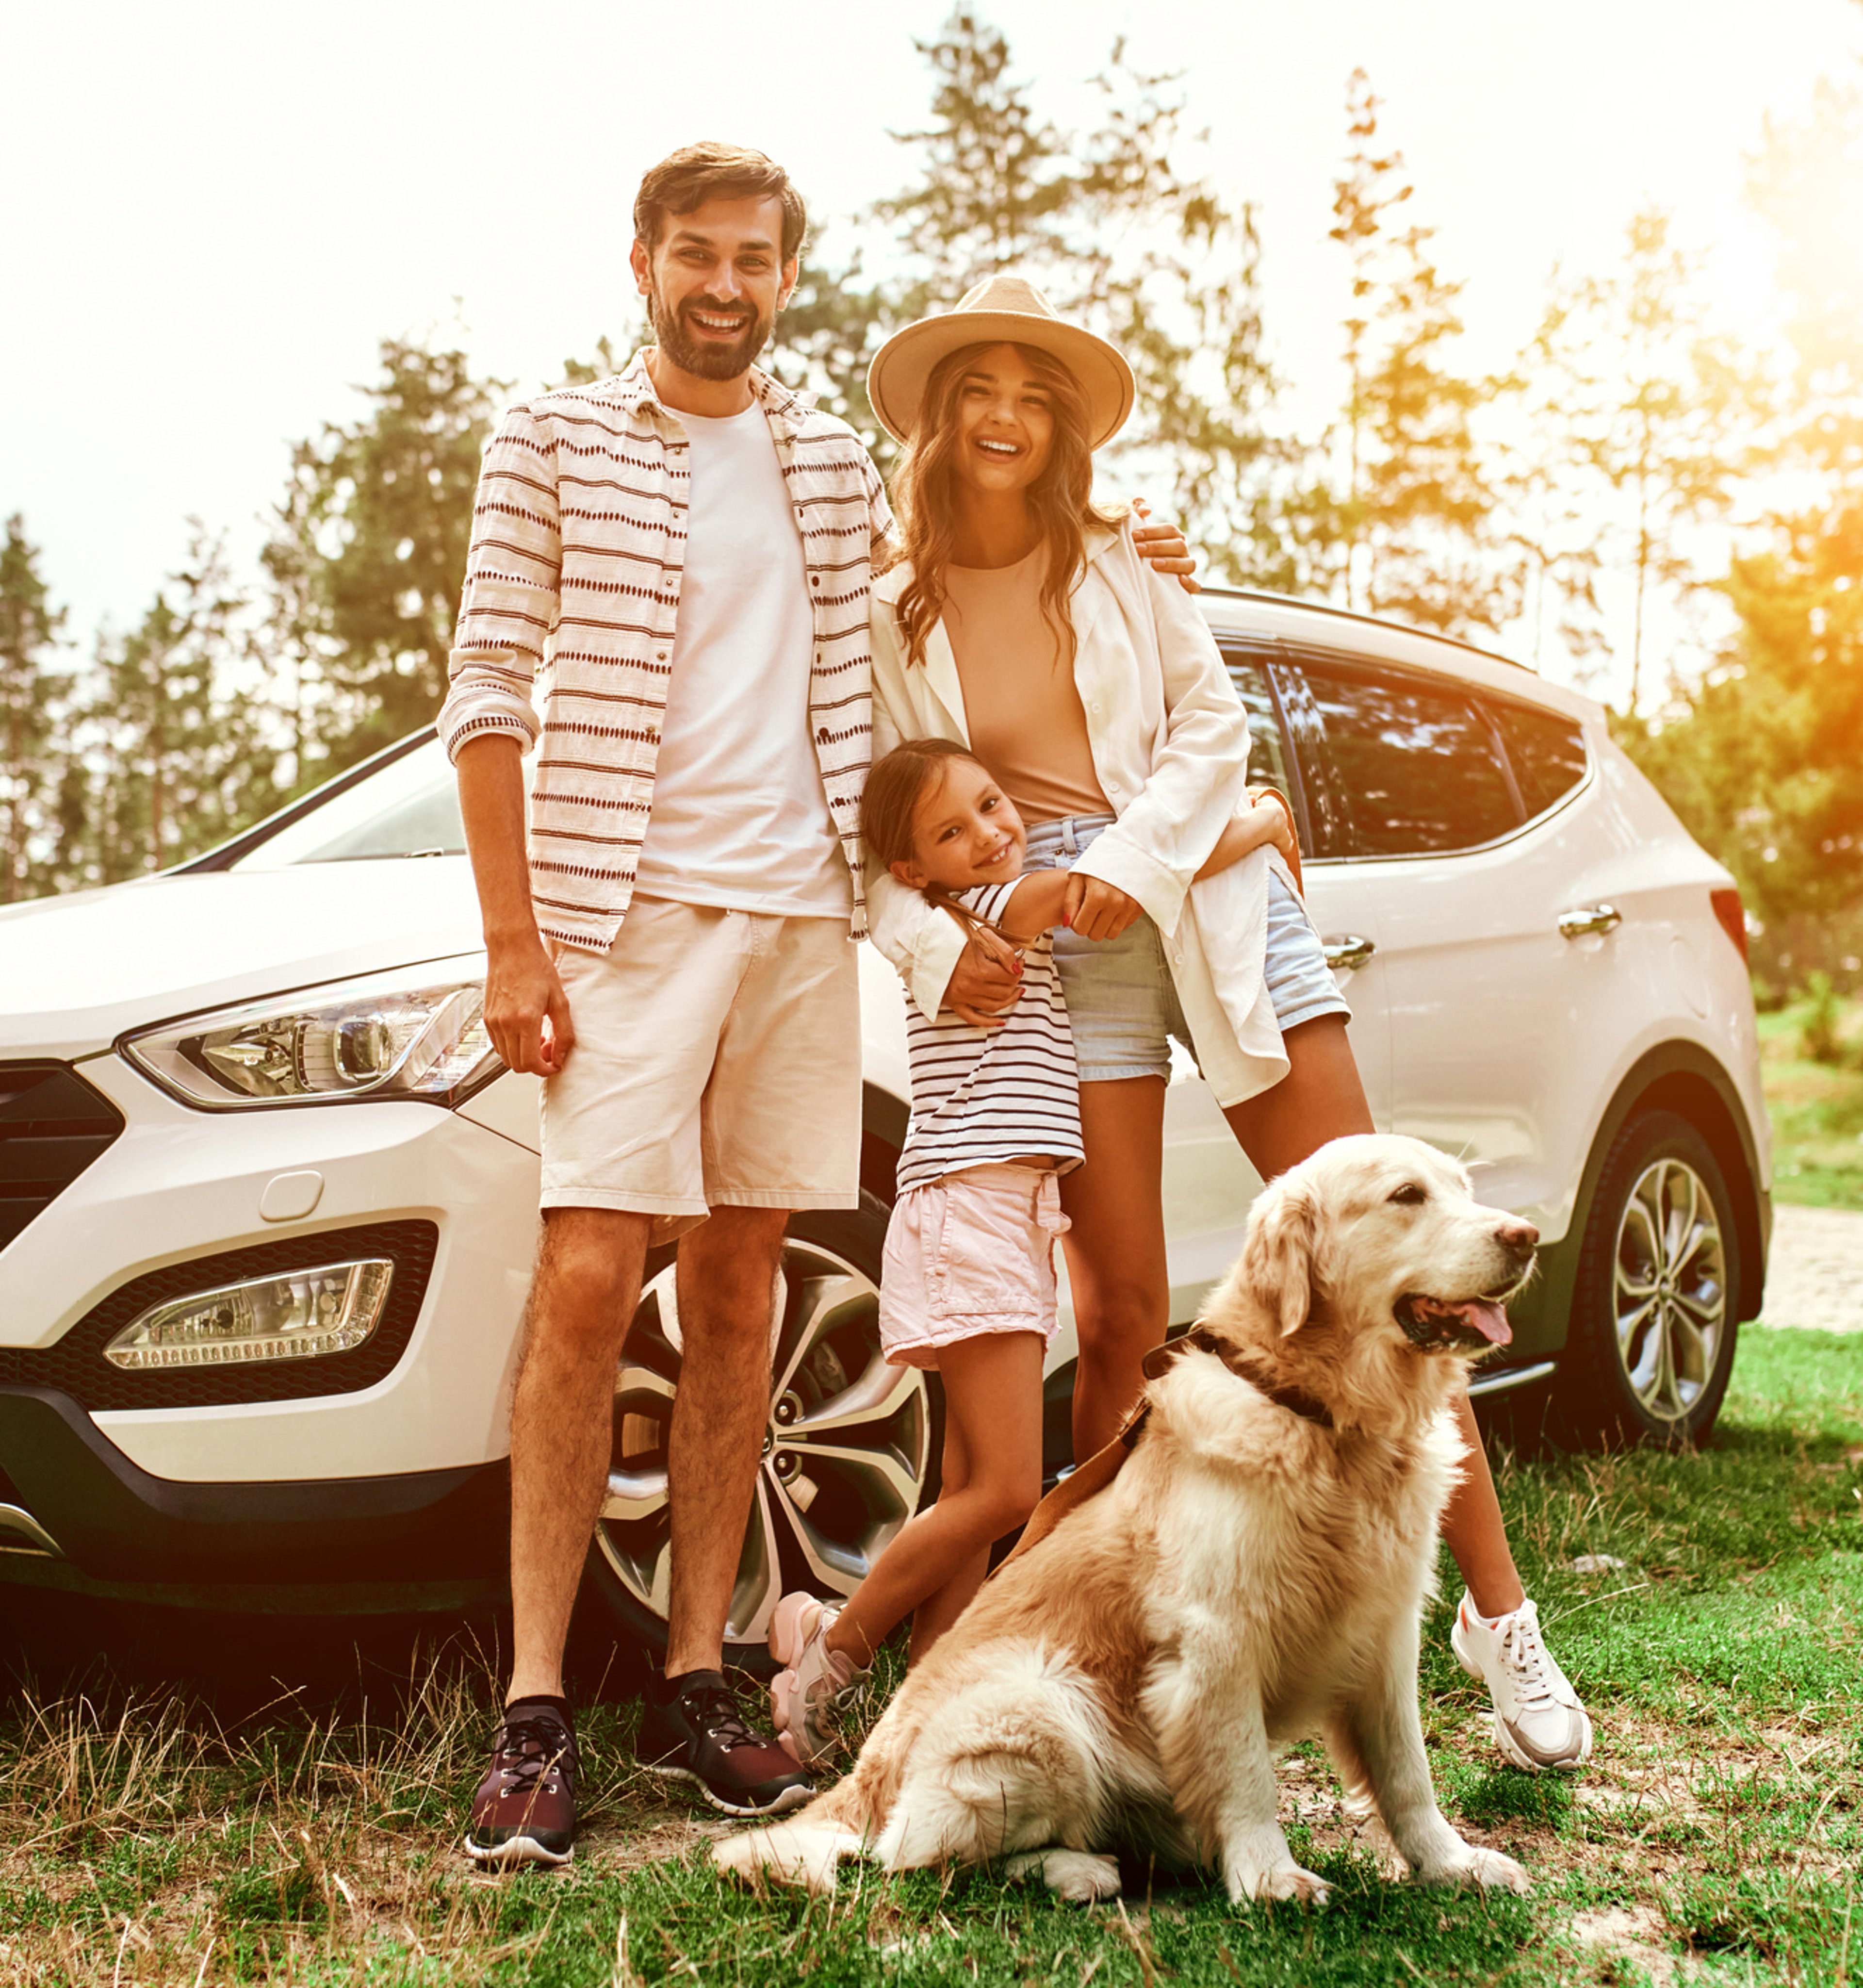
(1547, 752)
(1267, 749)
(1415, 766)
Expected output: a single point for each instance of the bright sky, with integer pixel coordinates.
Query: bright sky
(215, 211)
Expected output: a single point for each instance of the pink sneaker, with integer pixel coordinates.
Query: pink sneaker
(809, 1698)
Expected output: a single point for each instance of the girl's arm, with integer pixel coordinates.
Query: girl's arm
(1038, 905)
(1265, 820)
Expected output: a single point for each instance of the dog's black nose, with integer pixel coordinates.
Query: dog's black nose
(1519, 1238)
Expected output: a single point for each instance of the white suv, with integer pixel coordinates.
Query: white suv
(268, 1201)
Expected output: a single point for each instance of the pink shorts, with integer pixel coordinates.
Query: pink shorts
(971, 1253)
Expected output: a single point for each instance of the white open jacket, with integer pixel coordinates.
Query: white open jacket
(1170, 744)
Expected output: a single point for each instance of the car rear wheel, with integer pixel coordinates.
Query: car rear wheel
(848, 1448)
(1654, 1315)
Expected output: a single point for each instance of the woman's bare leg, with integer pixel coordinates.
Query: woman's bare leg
(1476, 1534)
(1116, 1268)
(1322, 1098)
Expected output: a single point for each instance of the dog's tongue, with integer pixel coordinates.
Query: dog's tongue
(1488, 1318)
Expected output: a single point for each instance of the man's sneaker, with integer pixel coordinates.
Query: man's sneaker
(1538, 1720)
(524, 1810)
(810, 1699)
(700, 1736)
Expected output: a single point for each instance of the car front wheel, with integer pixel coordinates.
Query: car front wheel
(847, 1450)
(1653, 1325)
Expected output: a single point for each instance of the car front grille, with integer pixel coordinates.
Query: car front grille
(53, 1126)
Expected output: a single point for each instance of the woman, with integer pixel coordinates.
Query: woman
(1020, 622)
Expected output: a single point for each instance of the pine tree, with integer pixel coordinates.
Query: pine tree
(368, 552)
(183, 749)
(1764, 756)
(1410, 531)
(28, 713)
(1649, 411)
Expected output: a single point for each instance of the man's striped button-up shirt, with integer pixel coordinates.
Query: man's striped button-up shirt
(578, 534)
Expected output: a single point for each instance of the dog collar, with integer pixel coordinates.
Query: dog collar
(1200, 1339)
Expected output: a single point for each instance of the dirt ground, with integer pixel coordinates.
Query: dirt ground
(1814, 1273)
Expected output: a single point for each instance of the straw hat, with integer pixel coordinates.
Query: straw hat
(1001, 309)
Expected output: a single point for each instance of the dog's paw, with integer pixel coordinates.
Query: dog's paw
(1077, 1875)
(1284, 1881)
(1487, 1869)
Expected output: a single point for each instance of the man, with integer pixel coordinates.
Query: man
(688, 546)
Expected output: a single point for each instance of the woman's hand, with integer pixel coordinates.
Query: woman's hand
(986, 982)
(1164, 548)
(1097, 910)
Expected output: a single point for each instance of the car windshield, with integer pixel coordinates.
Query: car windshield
(410, 808)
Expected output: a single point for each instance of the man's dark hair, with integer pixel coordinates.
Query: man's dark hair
(686, 179)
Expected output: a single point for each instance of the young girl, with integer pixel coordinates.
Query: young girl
(968, 1282)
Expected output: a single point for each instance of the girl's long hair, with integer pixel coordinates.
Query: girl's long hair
(1061, 498)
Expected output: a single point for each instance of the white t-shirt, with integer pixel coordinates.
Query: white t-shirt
(984, 1094)
(740, 818)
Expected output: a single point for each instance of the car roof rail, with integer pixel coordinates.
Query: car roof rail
(1368, 620)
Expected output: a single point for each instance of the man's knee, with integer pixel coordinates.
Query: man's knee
(588, 1274)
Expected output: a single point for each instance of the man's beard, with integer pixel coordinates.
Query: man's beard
(703, 358)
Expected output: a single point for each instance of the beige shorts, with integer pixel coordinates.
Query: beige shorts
(717, 1064)
(971, 1253)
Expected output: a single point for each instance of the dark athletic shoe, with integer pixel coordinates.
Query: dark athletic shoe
(524, 1810)
(701, 1736)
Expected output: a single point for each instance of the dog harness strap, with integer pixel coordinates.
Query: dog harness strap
(1092, 1476)
(1087, 1481)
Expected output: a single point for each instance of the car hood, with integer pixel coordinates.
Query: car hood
(76, 971)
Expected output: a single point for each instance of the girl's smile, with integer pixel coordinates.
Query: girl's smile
(965, 832)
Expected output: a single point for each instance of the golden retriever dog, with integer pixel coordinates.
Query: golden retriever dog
(1254, 1573)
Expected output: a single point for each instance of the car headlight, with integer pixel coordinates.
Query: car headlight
(418, 1033)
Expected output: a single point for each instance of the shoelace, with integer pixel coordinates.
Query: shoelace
(531, 1748)
(714, 1711)
(1521, 1646)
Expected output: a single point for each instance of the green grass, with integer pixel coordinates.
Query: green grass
(1816, 1109)
(150, 1838)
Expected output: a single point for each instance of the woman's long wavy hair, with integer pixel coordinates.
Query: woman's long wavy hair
(1061, 498)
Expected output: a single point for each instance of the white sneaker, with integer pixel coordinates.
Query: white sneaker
(809, 1698)
(1538, 1720)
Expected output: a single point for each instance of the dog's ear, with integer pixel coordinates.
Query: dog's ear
(1277, 1259)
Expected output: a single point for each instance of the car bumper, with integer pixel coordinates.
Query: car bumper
(76, 1512)
(179, 1187)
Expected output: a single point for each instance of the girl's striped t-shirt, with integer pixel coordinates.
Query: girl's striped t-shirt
(984, 1094)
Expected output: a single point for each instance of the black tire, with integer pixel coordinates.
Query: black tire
(827, 1351)
(1654, 1318)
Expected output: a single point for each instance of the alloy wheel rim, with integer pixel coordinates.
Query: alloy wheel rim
(1669, 1288)
(846, 1446)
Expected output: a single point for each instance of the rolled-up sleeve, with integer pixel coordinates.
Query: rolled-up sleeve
(922, 943)
(508, 608)
(1199, 776)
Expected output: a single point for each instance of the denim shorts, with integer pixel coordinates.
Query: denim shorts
(1121, 1002)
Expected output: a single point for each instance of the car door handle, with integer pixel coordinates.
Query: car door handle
(1347, 952)
(1589, 918)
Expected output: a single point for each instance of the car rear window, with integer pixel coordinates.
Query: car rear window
(1414, 766)
(1547, 752)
